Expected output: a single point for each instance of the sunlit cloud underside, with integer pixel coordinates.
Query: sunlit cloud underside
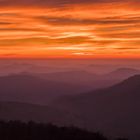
(72, 29)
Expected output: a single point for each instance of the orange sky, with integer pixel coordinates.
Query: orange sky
(73, 30)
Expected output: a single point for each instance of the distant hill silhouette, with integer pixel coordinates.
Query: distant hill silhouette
(31, 112)
(113, 110)
(89, 80)
(70, 76)
(123, 73)
(27, 88)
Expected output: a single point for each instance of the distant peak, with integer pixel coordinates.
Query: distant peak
(124, 69)
(131, 81)
(135, 77)
(125, 72)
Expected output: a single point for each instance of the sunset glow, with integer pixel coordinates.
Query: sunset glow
(94, 29)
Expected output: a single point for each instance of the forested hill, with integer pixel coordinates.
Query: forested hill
(16, 130)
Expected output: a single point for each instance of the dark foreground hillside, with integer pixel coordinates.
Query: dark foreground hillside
(16, 130)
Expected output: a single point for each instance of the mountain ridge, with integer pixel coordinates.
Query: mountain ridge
(114, 109)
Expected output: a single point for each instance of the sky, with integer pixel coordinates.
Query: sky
(69, 28)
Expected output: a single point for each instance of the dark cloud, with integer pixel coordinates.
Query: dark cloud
(98, 21)
(56, 2)
(5, 23)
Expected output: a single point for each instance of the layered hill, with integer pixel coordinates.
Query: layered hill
(113, 110)
(32, 89)
(31, 112)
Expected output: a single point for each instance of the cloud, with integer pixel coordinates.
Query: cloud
(68, 28)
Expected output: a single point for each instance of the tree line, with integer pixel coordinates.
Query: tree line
(17, 130)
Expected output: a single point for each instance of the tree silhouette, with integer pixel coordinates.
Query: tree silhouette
(17, 130)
